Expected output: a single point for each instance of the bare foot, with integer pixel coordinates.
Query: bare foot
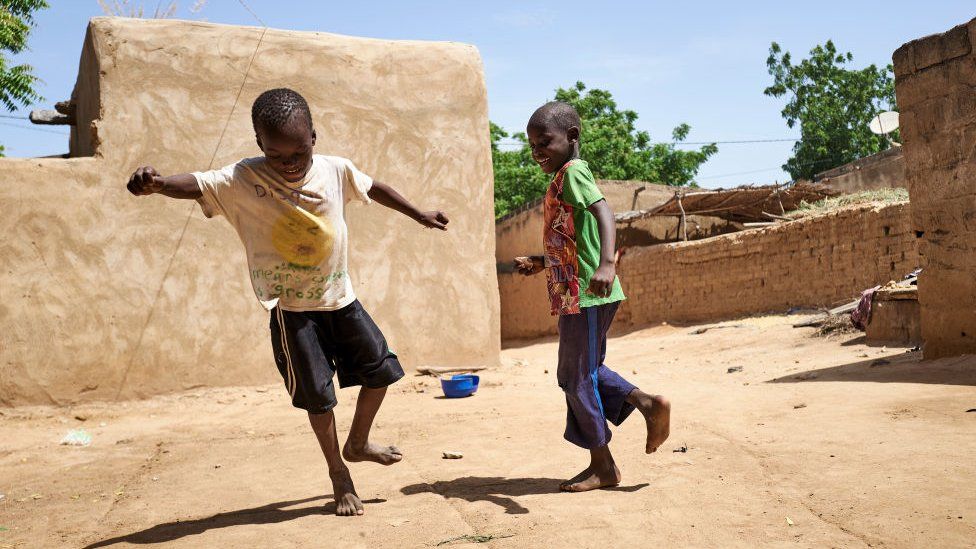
(590, 479)
(657, 413)
(347, 502)
(384, 455)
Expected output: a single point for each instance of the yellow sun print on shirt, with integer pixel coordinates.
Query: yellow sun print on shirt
(302, 238)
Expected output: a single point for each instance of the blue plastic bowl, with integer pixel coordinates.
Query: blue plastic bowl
(460, 386)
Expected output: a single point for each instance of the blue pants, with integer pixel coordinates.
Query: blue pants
(595, 394)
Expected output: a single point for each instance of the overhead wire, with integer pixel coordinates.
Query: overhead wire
(193, 206)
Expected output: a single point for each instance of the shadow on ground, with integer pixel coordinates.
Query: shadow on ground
(266, 514)
(903, 368)
(498, 490)
(528, 341)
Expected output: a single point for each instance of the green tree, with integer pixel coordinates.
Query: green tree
(16, 82)
(518, 179)
(833, 105)
(611, 144)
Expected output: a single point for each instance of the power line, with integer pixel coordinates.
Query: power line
(13, 116)
(814, 163)
(740, 173)
(734, 142)
(248, 8)
(31, 128)
(189, 215)
(514, 145)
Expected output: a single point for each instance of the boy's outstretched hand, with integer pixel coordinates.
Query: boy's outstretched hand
(145, 180)
(601, 283)
(529, 265)
(433, 220)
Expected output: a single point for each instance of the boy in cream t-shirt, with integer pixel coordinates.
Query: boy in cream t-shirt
(287, 208)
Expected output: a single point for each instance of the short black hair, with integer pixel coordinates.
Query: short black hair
(556, 114)
(274, 109)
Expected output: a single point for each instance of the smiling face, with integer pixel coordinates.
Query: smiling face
(551, 145)
(288, 150)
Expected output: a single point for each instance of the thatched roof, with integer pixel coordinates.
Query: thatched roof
(742, 204)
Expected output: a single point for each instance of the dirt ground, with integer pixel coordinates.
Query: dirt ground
(814, 443)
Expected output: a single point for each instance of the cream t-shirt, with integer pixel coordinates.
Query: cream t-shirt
(294, 234)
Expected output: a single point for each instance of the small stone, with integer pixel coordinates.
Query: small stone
(218, 466)
(798, 406)
(452, 455)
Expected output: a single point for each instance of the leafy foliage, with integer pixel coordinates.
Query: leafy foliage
(832, 104)
(518, 179)
(610, 143)
(17, 82)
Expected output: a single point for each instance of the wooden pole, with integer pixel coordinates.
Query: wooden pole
(50, 118)
(684, 220)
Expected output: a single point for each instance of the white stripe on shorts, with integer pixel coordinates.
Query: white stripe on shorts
(290, 379)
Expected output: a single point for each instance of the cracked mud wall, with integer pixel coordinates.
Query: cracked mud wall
(101, 299)
(935, 83)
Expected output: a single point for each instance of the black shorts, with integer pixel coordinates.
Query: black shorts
(310, 347)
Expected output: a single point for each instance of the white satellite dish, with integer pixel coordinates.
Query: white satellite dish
(884, 123)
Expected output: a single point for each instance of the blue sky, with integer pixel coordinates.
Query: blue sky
(702, 62)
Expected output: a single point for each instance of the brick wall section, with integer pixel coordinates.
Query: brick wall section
(816, 261)
(935, 82)
(885, 170)
(524, 306)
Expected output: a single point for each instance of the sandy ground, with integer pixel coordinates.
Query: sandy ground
(815, 443)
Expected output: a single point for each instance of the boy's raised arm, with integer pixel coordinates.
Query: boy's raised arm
(387, 196)
(146, 180)
(601, 283)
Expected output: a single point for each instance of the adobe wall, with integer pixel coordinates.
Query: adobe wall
(935, 82)
(524, 302)
(885, 170)
(811, 262)
(520, 232)
(101, 298)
